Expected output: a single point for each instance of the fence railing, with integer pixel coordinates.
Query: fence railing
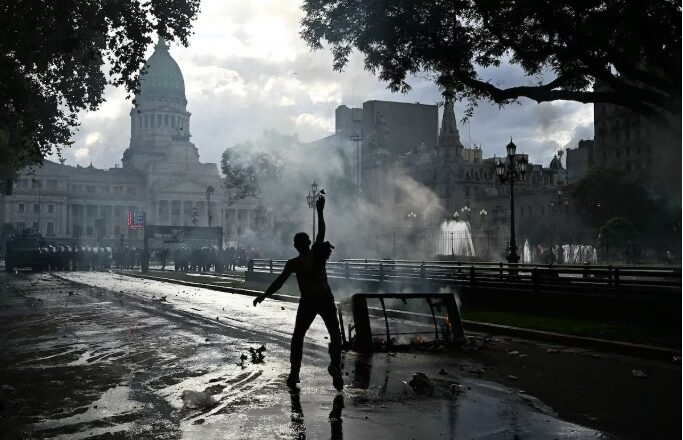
(572, 278)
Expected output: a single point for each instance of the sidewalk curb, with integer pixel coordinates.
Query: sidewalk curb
(601, 345)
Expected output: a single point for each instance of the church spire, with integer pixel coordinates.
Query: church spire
(449, 137)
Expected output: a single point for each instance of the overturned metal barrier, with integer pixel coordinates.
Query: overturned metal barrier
(361, 316)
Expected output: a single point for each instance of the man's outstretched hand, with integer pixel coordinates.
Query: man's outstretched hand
(259, 299)
(320, 203)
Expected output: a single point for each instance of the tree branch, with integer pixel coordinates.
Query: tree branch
(544, 93)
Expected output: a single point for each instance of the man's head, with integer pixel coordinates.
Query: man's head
(302, 242)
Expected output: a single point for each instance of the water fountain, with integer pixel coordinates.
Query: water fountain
(455, 239)
(526, 253)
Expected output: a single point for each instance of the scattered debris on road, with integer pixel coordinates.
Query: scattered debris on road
(638, 373)
(197, 399)
(421, 384)
(257, 356)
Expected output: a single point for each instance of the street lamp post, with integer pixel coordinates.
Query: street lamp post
(557, 207)
(357, 138)
(511, 171)
(209, 191)
(409, 238)
(457, 218)
(466, 212)
(484, 241)
(311, 198)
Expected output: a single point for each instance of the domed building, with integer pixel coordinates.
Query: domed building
(160, 175)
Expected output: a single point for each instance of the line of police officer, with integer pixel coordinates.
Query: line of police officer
(205, 259)
(58, 258)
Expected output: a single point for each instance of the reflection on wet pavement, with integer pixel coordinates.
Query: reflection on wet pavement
(114, 359)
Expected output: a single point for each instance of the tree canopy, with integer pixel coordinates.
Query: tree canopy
(56, 57)
(604, 195)
(614, 51)
(246, 170)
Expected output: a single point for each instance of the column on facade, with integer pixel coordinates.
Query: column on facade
(63, 224)
(176, 212)
(186, 213)
(82, 207)
(167, 211)
(69, 220)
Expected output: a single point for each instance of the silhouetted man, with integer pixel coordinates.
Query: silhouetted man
(316, 298)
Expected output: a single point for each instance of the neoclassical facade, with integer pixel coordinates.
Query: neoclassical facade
(160, 174)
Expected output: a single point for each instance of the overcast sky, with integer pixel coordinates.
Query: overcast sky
(246, 70)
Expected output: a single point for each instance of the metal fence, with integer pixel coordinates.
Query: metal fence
(539, 277)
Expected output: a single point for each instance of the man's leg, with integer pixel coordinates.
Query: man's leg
(304, 318)
(328, 312)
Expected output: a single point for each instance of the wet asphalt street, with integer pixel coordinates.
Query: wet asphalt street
(90, 354)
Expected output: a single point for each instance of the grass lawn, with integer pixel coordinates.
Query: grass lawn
(659, 334)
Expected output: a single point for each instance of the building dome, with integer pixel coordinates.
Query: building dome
(556, 163)
(163, 78)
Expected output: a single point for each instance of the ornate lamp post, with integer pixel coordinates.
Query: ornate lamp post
(557, 206)
(457, 218)
(195, 216)
(511, 171)
(209, 191)
(466, 212)
(483, 215)
(311, 198)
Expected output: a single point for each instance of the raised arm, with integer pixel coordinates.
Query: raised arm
(276, 285)
(320, 206)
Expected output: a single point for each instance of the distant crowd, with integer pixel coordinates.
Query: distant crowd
(206, 259)
(82, 258)
(560, 254)
(202, 259)
(61, 258)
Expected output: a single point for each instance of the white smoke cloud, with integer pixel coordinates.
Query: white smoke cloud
(82, 153)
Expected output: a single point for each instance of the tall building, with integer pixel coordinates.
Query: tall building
(461, 176)
(347, 121)
(161, 174)
(580, 160)
(462, 180)
(649, 149)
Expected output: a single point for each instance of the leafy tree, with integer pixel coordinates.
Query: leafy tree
(577, 44)
(604, 195)
(56, 58)
(7, 230)
(245, 170)
(618, 235)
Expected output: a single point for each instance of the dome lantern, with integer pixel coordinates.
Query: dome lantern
(162, 78)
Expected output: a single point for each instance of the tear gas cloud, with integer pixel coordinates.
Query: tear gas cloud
(352, 222)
